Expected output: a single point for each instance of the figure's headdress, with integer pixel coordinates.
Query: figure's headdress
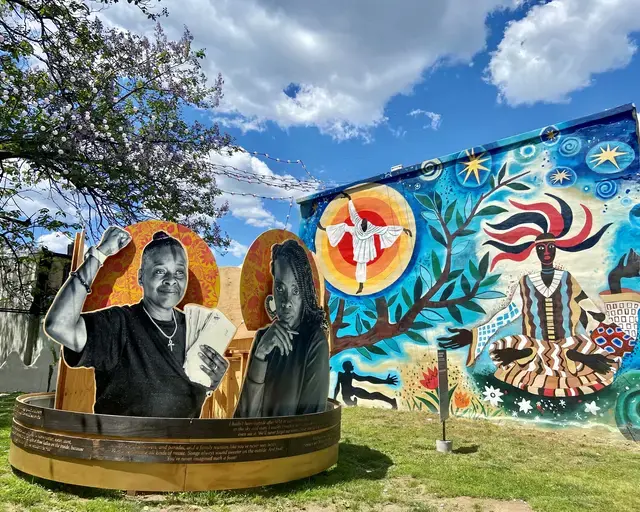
(550, 224)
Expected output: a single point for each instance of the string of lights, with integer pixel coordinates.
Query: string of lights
(258, 196)
(273, 180)
(286, 161)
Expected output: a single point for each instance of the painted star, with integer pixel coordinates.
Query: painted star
(562, 403)
(474, 165)
(592, 408)
(514, 414)
(560, 176)
(524, 405)
(551, 134)
(608, 155)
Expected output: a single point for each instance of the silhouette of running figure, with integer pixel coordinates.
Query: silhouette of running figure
(351, 394)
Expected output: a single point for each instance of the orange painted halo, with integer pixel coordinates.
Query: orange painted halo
(256, 281)
(383, 206)
(117, 281)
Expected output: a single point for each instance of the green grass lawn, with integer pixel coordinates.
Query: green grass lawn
(388, 462)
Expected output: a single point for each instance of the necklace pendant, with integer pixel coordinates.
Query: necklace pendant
(171, 344)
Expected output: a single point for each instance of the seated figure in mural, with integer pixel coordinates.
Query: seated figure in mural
(288, 372)
(350, 394)
(554, 355)
(362, 233)
(137, 351)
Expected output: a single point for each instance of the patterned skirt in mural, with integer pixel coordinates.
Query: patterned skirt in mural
(548, 371)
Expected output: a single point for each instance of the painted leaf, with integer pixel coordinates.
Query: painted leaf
(398, 313)
(358, 325)
(333, 305)
(426, 275)
(468, 206)
(472, 306)
(392, 300)
(366, 324)
(370, 314)
(421, 326)
(455, 274)
(466, 232)
(415, 337)
(432, 408)
(459, 220)
(429, 216)
(369, 304)
(474, 271)
(484, 266)
(492, 181)
(518, 186)
(435, 265)
(459, 246)
(446, 293)
(350, 310)
(406, 297)
(455, 313)
(491, 210)
(437, 201)
(490, 294)
(376, 350)
(449, 212)
(502, 173)
(490, 280)
(417, 289)
(432, 315)
(364, 353)
(425, 201)
(437, 236)
(466, 286)
(393, 345)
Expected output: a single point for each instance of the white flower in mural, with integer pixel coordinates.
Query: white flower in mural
(492, 395)
(525, 406)
(578, 416)
(563, 403)
(592, 408)
(514, 414)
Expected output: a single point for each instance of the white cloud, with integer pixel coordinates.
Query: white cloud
(340, 62)
(251, 207)
(55, 242)
(558, 47)
(436, 119)
(237, 249)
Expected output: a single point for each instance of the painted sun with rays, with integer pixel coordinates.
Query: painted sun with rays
(474, 165)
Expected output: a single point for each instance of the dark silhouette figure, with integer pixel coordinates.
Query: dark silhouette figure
(351, 394)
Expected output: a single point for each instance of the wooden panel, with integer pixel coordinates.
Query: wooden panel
(172, 477)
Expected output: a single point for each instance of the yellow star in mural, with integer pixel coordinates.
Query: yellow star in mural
(608, 155)
(474, 165)
(560, 175)
(551, 134)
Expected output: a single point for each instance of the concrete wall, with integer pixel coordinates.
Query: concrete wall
(452, 255)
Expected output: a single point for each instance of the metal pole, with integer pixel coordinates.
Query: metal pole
(444, 436)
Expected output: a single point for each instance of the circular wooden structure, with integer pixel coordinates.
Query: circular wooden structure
(167, 454)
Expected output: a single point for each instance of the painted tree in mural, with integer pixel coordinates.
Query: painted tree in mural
(437, 289)
(91, 119)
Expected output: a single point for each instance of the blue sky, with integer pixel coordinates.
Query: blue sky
(488, 69)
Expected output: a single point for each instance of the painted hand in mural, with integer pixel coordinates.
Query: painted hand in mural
(113, 241)
(277, 336)
(407, 232)
(215, 366)
(391, 380)
(506, 356)
(461, 338)
(599, 363)
(628, 266)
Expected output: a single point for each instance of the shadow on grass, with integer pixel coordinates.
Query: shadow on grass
(356, 462)
(7, 403)
(465, 450)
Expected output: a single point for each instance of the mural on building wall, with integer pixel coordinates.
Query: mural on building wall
(520, 257)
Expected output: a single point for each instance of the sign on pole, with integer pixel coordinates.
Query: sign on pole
(443, 385)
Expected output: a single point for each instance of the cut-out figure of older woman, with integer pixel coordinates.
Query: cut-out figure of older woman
(288, 370)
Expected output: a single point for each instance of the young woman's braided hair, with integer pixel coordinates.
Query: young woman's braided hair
(291, 252)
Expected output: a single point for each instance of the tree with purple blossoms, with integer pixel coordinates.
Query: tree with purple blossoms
(92, 119)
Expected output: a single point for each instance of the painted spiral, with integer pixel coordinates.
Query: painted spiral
(606, 189)
(628, 405)
(570, 146)
(431, 169)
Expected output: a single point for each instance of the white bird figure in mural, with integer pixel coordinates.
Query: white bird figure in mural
(363, 232)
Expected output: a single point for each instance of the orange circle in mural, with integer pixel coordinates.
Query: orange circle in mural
(256, 281)
(117, 281)
(381, 206)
